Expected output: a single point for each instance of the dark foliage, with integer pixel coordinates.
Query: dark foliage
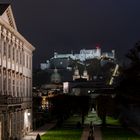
(66, 105)
(128, 91)
(105, 105)
(38, 137)
(40, 77)
(131, 75)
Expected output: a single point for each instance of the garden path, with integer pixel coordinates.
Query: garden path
(97, 133)
(32, 135)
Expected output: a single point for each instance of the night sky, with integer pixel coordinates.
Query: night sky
(65, 25)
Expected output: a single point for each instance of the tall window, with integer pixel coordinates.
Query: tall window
(4, 83)
(27, 61)
(0, 82)
(23, 59)
(0, 45)
(20, 86)
(24, 86)
(9, 85)
(13, 53)
(17, 85)
(13, 87)
(17, 55)
(27, 86)
(30, 87)
(9, 82)
(30, 63)
(4, 49)
(9, 51)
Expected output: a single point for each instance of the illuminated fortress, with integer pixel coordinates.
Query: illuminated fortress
(82, 56)
(64, 60)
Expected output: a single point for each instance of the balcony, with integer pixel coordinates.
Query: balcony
(9, 100)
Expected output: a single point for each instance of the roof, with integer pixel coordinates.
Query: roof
(3, 7)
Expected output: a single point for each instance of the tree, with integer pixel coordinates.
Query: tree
(93, 67)
(38, 137)
(65, 105)
(134, 54)
(131, 75)
(83, 105)
(40, 77)
(107, 70)
(104, 106)
(128, 90)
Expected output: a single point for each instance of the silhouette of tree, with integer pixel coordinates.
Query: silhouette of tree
(128, 90)
(131, 76)
(83, 104)
(104, 106)
(107, 70)
(134, 54)
(134, 57)
(65, 105)
(38, 137)
(40, 77)
(93, 67)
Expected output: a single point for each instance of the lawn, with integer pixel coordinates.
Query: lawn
(114, 131)
(92, 117)
(68, 131)
(118, 134)
(73, 120)
(62, 134)
(112, 121)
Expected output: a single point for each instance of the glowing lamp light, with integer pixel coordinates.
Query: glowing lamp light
(65, 87)
(28, 114)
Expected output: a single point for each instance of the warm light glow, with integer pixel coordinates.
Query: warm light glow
(65, 87)
(114, 74)
(26, 119)
(29, 114)
(44, 102)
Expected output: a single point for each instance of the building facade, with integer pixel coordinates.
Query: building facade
(15, 78)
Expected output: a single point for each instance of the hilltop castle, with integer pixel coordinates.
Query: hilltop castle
(64, 60)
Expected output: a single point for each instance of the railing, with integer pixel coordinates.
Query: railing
(25, 99)
(8, 100)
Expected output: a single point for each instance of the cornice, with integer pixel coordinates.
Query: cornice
(17, 34)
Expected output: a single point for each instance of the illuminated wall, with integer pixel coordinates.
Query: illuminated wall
(15, 78)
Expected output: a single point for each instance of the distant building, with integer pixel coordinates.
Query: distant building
(82, 56)
(15, 78)
(83, 87)
(85, 74)
(55, 85)
(61, 63)
(55, 77)
(64, 61)
(46, 65)
(77, 75)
